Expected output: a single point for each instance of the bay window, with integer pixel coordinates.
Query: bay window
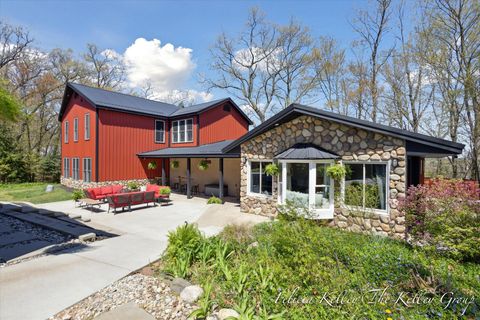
(182, 131)
(259, 182)
(366, 185)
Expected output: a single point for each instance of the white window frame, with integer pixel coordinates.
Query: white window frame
(185, 130)
(249, 192)
(312, 171)
(66, 167)
(85, 160)
(75, 129)
(76, 170)
(87, 126)
(65, 134)
(155, 132)
(387, 188)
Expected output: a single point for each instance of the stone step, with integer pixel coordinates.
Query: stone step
(45, 212)
(75, 216)
(29, 209)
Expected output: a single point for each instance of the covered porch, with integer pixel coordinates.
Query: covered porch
(202, 170)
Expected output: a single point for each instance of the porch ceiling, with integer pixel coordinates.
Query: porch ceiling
(212, 150)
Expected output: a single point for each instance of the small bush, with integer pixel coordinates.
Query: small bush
(78, 194)
(165, 191)
(444, 216)
(214, 200)
(132, 185)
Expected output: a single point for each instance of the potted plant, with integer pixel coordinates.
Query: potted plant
(78, 194)
(165, 192)
(214, 200)
(152, 165)
(271, 170)
(133, 186)
(175, 164)
(203, 165)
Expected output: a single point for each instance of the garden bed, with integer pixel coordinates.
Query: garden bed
(299, 270)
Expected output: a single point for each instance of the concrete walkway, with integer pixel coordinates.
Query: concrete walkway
(42, 287)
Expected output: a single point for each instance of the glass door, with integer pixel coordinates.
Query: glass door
(308, 184)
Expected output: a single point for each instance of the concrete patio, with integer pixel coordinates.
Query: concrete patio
(40, 288)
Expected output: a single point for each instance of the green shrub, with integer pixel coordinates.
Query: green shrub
(78, 194)
(165, 191)
(132, 185)
(214, 200)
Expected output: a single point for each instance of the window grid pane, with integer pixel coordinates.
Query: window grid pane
(87, 126)
(66, 132)
(75, 129)
(159, 131)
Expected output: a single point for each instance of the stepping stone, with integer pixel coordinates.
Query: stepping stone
(127, 311)
(87, 237)
(17, 250)
(86, 219)
(29, 209)
(75, 216)
(14, 237)
(178, 284)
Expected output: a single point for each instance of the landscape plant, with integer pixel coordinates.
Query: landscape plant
(203, 165)
(256, 272)
(174, 164)
(78, 194)
(214, 200)
(152, 165)
(444, 217)
(272, 170)
(165, 190)
(132, 185)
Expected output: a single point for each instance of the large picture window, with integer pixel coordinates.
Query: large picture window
(75, 129)
(260, 183)
(75, 168)
(182, 131)
(87, 126)
(159, 131)
(366, 185)
(87, 169)
(66, 167)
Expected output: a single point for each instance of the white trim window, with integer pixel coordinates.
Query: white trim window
(87, 169)
(75, 168)
(259, 184)
(159, 131)
(87, 126)
(306, 183)
(66, 167)
(182, 131)
(75, 129)
(65, 133)
(366, 186)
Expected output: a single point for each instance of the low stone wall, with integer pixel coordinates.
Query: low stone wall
(79, 184)
(351, 144)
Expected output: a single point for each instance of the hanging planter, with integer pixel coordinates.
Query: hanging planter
(175, 164)
(271, 170)
(152, 165)
(337, 172)
(203, 165)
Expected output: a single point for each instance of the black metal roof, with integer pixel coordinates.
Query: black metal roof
(101, 98)
(293, 111)
(213, 150)
(305, 151)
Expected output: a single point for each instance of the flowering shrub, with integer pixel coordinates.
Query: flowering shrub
(446, 216)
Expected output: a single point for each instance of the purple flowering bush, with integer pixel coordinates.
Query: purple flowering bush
(444, 216)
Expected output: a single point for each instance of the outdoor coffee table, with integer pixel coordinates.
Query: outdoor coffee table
(90, 203)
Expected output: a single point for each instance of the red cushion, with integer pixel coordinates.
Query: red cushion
(155, 188)
(107, 190)
(117, 188)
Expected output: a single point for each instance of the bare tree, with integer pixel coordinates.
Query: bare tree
(13, 41)
(372, 27)
(106, 68)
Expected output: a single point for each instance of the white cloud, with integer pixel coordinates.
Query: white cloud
(165, 70)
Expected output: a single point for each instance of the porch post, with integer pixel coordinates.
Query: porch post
(189, 183)
(164, 178)
(220, 178)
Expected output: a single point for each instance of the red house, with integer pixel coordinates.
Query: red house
(106, 137)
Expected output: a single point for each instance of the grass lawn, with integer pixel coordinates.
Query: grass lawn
(32, 192)
(300, 270)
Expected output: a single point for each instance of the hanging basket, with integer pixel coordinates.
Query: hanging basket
(152, 165)
(203, 165)
(175, 164)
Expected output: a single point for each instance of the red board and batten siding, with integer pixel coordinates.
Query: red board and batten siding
(121, 137)
(77, 108)
(217, 124)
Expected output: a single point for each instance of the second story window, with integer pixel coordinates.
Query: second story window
(159, 131)
(87, 126)
(65, 133)
(75, 129)
(182, 131)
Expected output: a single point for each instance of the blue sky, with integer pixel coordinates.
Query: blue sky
(191, 24)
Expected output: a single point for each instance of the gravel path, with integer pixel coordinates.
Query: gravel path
(149, 293)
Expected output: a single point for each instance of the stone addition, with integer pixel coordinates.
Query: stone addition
(351, 144)
(79, 184)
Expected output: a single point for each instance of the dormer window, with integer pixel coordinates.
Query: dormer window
(182, 131)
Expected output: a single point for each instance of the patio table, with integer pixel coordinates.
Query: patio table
(90, 203)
